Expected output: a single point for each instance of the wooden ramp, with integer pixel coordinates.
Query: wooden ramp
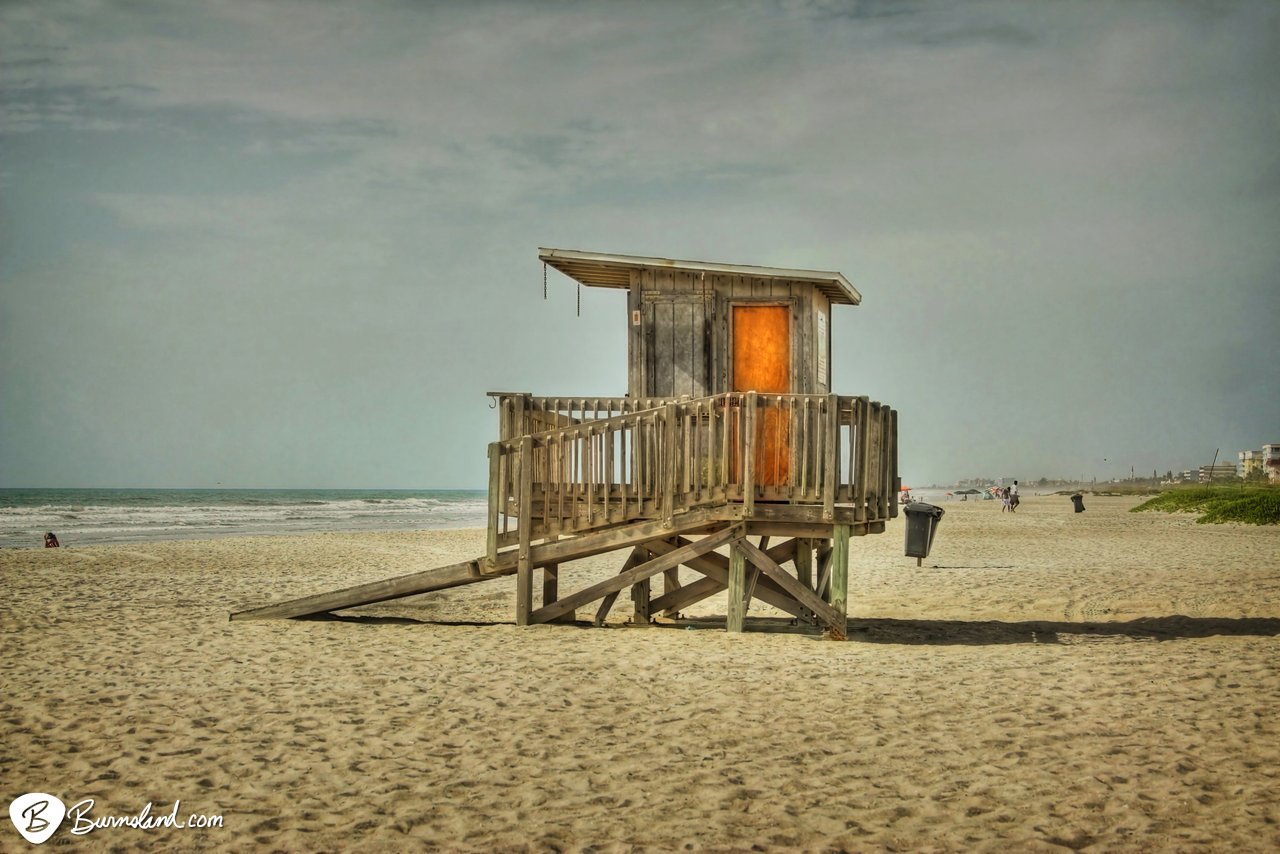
(479, 569)
(440, 578)
(656, 549)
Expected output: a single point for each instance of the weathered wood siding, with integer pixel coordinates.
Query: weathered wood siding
(679, 331)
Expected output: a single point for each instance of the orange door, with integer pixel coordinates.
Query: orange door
(762, 363)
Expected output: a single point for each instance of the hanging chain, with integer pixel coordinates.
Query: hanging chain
(579, 299)
(544, 280)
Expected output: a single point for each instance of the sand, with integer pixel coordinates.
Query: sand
(1047, 680)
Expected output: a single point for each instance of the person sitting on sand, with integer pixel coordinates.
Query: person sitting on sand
(50, 540)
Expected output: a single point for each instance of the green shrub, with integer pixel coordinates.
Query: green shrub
(1255, 506)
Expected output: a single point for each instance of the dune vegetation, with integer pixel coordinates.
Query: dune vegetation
(1255, 505)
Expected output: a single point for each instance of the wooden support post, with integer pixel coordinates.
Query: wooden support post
(524, 565)
(804, 561)
(737, 588)
(640, 602)
(495, 495)
(840, 577)
(551, 585)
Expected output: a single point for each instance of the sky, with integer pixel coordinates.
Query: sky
(293, 243)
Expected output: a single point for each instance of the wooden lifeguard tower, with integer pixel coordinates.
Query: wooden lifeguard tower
(729, 431)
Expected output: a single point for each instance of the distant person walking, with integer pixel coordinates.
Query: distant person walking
(1013, 498)
(51, 540)
(1004, 498)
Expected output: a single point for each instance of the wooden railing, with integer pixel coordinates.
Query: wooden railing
(566, 465)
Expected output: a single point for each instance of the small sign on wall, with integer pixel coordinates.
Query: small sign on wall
(635, 317)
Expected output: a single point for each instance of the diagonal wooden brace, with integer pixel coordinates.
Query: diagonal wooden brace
(631, 576)
(716, 567)
(802, 594)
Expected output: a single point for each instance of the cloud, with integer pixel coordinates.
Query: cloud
(1031, 196)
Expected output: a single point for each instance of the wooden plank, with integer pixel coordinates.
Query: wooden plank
(598, 542)
(495, 497)
(893, 462)
(798, 529)
(645, 570)
(440, 578)
(840, 579)
(524, 568)
(669, 462)
(737, 588)
(827, 613)
(860, 490)
(682, 328)
(635, 339)
(798, 513)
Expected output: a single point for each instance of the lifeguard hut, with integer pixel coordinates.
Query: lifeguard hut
(729, 431)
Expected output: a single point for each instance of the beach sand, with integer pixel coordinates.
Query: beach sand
(1046, 681)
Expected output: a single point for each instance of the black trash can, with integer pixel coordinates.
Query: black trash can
(1078, 501)
(922, 521)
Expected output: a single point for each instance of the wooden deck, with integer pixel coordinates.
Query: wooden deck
(671, 482)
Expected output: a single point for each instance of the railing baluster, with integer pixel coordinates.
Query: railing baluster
(608, 468)
(832, 461)
(668, 488)
(864, 451)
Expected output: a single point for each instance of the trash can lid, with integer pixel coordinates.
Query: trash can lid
(922, 508)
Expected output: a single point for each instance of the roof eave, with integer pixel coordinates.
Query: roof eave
(589, 269)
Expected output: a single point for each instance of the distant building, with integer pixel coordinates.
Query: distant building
(1250, 461)
(1266, 460)
(1271, 462)
(1218, 471)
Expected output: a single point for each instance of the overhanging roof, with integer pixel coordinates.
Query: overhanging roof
(600, 270)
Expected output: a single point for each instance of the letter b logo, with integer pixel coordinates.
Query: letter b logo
(36, 815)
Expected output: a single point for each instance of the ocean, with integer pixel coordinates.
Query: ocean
(82, 517)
